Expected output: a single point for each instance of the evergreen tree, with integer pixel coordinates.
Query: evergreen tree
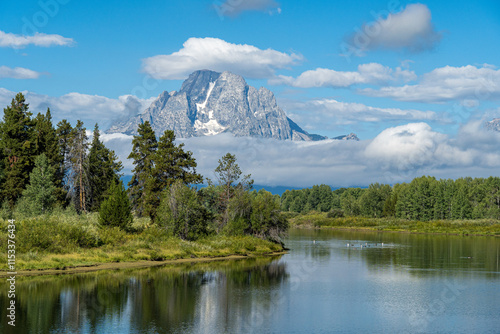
(64, 133)
(39, 196)
(144, 147)
(115, 210)
(170, 163)
(78, 168)
(104, 169)
(46, 142)
(17, 147)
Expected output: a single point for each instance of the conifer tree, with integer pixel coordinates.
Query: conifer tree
(104, 168)
(78, 168)
(39, 195)
(63, 132)
(171, 163)
(46, 142)
(17, 148)
(115, 210)
(144, 146)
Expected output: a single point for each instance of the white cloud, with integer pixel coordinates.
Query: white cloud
(11, 40)
(371, 73)
(469, 83)
(18, 73)
(323, 113)
(88, 108)
(218, 55)
(234, 8)
(411, 29)
(397, 154)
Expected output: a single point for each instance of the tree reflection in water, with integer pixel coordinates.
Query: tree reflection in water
(160, 299)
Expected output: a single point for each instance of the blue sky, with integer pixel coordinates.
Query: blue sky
(375, 68)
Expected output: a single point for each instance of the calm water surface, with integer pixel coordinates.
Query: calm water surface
(327, 283)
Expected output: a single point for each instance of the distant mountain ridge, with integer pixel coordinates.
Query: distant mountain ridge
(494, 124)
(210, 103)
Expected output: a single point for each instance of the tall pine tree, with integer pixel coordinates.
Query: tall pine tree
(170, 163)
(18, 149)
(46, 142)
(63, 132)
(104, 169)
(144, 146)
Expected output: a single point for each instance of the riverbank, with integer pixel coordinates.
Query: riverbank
(64, 243)
(136, 264)
(486, 227)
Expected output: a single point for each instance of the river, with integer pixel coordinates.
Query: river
(329, 282)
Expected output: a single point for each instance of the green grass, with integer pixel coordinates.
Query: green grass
(64, 240)
(489, 227)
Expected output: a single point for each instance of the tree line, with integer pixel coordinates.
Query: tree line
(43, 166)
(424, 198)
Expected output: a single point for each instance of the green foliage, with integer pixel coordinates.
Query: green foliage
(17, 149)
(39, 196)
(228, 174)
(239, 213)
(144, 146)
(181, 212)
(104, 169)
(158, 164)
(115, 209)
(335, 213)
(267, 221)
(64, 131)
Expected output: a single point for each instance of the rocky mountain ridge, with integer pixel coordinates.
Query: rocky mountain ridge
(210, 103)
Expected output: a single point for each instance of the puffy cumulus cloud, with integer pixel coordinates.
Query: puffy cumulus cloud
(218, 55)
(397, 154)
(88, 108)
(469, 83)
(372, 73)
(10, 40)
(410, 29)
(234, 8)
(18, 73)
(406, 145)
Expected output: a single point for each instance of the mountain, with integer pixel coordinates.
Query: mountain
(351, 136)
(210, 103)
(494, 124)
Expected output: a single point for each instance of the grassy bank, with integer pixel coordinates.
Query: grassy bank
(62, 241)
(461, 227)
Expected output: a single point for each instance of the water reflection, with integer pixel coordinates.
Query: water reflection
(419, 254)
(410, 284)
(161, 299)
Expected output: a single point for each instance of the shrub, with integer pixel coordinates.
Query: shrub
(335, 213)
(115, 210)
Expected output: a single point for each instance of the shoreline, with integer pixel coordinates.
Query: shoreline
(368, 229)
(464, 227)
(134, 264)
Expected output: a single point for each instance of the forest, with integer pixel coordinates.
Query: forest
(424, 199)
